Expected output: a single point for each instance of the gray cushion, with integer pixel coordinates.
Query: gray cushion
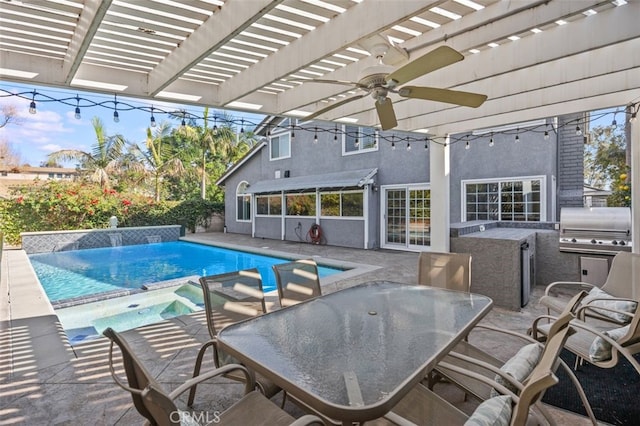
(495, 411)
(600, 349)
(519, 366)
(618, 305)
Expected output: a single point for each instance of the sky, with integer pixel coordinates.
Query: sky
(54, 127)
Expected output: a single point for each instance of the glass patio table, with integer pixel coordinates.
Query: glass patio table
(353, 354)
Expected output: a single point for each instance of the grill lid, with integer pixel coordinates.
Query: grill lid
(595, 222)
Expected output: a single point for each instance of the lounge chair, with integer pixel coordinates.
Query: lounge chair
(229, 298)
(297, 281)
(158, 406)
(445, 270)
(424, 407)
(512, 373)
(621, 292)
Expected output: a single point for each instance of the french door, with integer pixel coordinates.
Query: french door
(406, 217)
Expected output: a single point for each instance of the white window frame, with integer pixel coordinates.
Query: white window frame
(341, 193)
(278, 136)
(241, 192)
(269, 214)
(362, 131)
(284, 205)
(543, 194)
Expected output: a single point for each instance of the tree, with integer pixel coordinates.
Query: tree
(605, 162)
(157, 161)
(8, 155)
(219, 141)
(103, 162)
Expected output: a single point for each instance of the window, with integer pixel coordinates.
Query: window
(359, 139)
(243, 203)
(301, 204)
(280, 146)
(342, 204)
(508, 199)
(269, 205)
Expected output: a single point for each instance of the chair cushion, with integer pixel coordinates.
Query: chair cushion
(600, 349)
(618, 305)
(495, 411)
(519, 367)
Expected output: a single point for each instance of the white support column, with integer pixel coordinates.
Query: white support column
(439, 177)
(635, 185)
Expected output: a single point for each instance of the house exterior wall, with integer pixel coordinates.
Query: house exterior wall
(395, 166)
(531, 156)
(570, 162)
(555, 159)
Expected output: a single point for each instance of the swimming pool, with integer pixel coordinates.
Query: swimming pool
(71, 274)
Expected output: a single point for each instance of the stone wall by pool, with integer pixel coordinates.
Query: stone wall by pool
(46, 242)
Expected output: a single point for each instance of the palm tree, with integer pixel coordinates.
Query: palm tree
(155, 161)
(219, 141)
(102, 162)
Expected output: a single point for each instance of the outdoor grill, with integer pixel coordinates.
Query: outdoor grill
(597, 230)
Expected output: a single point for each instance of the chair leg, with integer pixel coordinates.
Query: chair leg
(284, 398)
(196, 371)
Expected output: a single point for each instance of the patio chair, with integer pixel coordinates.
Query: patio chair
(424, 407)
(297, 281)
(158, 406)
(445, 270)
(229, 298)
(602, 348)
(511, 373)
(620, 297)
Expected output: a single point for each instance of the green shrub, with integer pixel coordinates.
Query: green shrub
(56, 206)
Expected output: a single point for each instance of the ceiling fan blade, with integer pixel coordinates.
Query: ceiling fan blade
(332, 106)
(436, 59)
(386, 114)
(443, 95)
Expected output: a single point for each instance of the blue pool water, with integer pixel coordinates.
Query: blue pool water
(69, 274)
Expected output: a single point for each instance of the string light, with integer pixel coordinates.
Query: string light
(32, 105)
(491, 143)
(116, 117)
(315, 136)
(215, 123)
(578, 131)
(77, 112)
(614, 123)
(118, 106)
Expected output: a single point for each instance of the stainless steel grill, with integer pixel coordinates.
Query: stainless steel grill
(604, 230)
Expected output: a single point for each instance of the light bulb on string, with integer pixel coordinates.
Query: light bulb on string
(491, 143)
(242, 126)
(77, 112)
(393, 145)
(335, 133)
(315, 135)
(116, 116)
(578, 131)
(633, 117)
(293, 133)
(152, 120)
(408, 146)
(32, 105)
(614, 123)
(517, 138)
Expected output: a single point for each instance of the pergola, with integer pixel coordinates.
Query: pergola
(533, 58)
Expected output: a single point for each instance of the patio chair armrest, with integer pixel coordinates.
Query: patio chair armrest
(496, 370)
(308, 419)
(481, 378)
(522, 336)
(249, 383)
(398, 420)
(579, 284)
(582, 311)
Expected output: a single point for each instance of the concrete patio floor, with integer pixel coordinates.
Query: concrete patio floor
(45, 381)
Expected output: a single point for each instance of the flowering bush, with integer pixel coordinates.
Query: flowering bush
(63, 205)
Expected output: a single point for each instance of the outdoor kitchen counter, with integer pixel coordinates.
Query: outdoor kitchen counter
(499, 256)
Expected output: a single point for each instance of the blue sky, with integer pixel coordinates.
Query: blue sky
(54, 126)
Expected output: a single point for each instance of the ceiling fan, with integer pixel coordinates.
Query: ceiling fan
(381, 80)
